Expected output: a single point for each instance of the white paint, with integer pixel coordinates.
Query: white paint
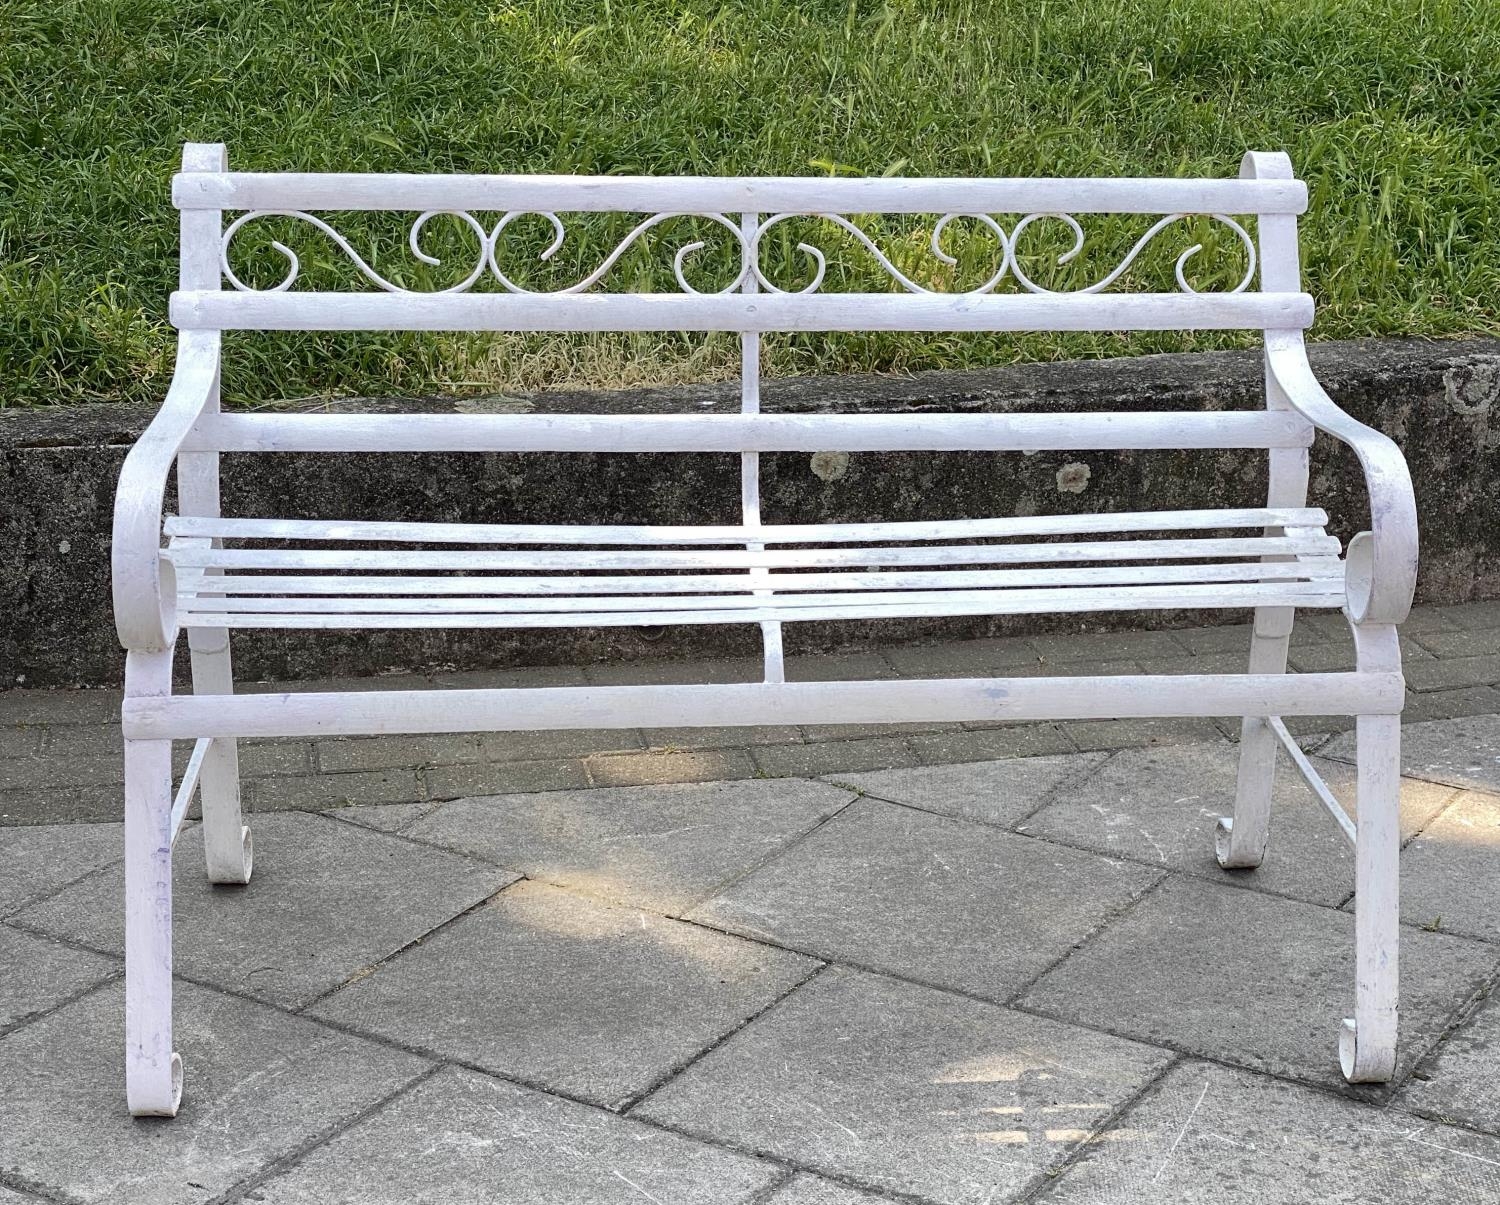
(213, 576)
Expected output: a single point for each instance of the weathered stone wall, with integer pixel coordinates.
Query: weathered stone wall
(1438, 400)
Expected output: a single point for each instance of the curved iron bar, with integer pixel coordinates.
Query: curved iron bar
(749, 251)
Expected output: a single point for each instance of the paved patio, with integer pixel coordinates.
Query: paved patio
(784, 967)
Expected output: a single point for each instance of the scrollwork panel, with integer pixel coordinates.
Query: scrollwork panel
(539, 253)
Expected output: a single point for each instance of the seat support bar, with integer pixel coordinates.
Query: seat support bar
(1064, 698)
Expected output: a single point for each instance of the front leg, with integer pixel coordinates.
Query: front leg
(153, 1071)
(1367, 1044)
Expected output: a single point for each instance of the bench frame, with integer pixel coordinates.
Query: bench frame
(190, 433)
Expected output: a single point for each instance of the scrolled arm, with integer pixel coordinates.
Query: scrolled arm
(145, 590)
(1381, 573)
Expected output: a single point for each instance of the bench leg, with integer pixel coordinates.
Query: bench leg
(1240, 843)
(227, 844)
(153, 1071)
(1367, 1045)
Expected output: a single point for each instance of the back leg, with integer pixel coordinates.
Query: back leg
(227, 844)
(1240, 842)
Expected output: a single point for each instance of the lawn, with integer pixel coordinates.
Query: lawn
(1390, 108)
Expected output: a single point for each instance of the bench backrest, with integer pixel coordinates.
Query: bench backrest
(1266, 297)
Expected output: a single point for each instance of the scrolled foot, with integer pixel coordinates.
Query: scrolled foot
(151, 1094)
(236, 872)
(1365, 1062)
(1224, 848)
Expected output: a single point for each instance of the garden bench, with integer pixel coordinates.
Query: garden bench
(203, 574)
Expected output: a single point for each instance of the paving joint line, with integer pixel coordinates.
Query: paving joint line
(400, 834)
(1043, 1180)
(766, 1195)
(681, 1068)
(372, 967)
(766, 859)
(73, 998)
(53, 892)
(35, 1189)
(1109, 919)
(284, 1162)
(1457, 1020)
(1375, 1096)
(1443, 808)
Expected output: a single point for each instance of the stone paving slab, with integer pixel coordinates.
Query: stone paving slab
(1211, 1135)
(804, 1189)
(594, 1001)
(657, 847)
(927, 897)
(258, 1084)
(905, 1089)
(462, 1137)
(995, 792)
(327, 900)
(1462, 752)
(39, 974)
(1179, 967)
(1162, 806)
(1450, 872)
(1460, 1081)
(382, 817)
(39, 859)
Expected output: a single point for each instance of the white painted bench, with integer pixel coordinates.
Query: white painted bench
(215, 574)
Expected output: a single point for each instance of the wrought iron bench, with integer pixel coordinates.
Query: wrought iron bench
(214, 574)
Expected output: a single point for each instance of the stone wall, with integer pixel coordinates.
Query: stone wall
(1438, 400)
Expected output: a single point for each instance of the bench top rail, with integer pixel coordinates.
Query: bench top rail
(732, 194)
(835, 217)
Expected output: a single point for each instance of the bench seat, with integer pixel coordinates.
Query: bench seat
(280, 573)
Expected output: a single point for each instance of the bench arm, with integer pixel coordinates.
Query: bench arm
(145, 588)
(1381, 567)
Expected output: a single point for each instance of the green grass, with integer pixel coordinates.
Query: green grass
(1390, 108)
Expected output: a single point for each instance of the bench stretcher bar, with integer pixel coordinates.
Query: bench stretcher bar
(184, 797)
(368, 713)
(1313, 779)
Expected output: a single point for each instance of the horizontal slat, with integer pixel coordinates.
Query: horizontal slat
(792, 609)
(770, 558)
(733, 194)
(188, 526)
(231, 432)
(739, 312)
(1126, 696)
(218, 585)
(917, 600)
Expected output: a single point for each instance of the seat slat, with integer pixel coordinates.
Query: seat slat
(482, 604)
(1316, 569)
(785, 610)
(805, 533)
(771, 558)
